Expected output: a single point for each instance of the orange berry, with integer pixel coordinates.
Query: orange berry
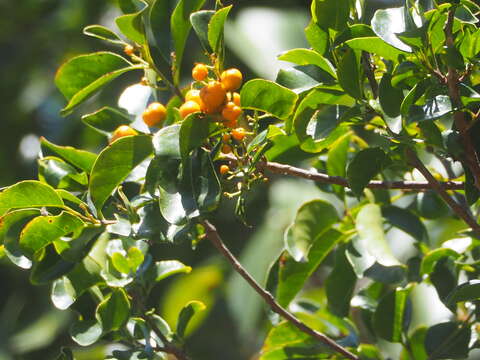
(193, 95)
(231, 112)
(238, 134)
(121, 131)
(231, 79)
(226, 137)
(213, 96)
(154, 114)
(224, 169)
(236, 98)
(129, 50)
(200, 72)
(226, 149)
(231, 124)
(189, 107)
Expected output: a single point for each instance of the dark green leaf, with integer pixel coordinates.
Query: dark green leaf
(80, 158)
(131, 25)
(406, 221)
(467, 291)
(215, 30)
(50, 267)
(308, 57)
(376, 46)
(445, 278)
(349, 74)
(448, 340)
(81, 77)
(269, 97)
(296, 80)
(434, 108)
(194, 131)
(114, 311)
(103, 33)
(431, 258)
(26, 194)
(331, 14)
(189, 311)
(317, 38)
(364, 167)
(431, 206)
(65, 354)
(390, 97)
(106, 120)
(200, 21)
(311, 221)
(115, 163)
(337, 161)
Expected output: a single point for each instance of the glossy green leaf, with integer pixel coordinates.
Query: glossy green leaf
(340, 284)
(44, 230)
(392, 316)
(114, 311)
(120, 263)
(434, 108)
(215, 30)
(103, 33)
(377, 46)
(337, 161)
(60, 175)
(311, 221)
(206, 187)
(448, 340)
(468, 291)
(26, 194)
(166, 142)
(166, 268)
(308, 57)
(51, 266)
(132, 26)
(296, 80)
(200, 20)
(80, 158)
(269, 97)
(81, 77)
(331, 14)
(349, 74)
(417, 343)
(390, 97)
(85, 332)
(106, 120)
(317, 38)
(187, 313)
(405, 221)
(445, 279)
(364, 167)
(161, 46)
(194, 131)
(386, 23)
(115, 163)
(287, 276)
(413, 95)
(431, 206)
(180, 27)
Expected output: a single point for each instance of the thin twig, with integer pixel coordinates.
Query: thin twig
(283, 169)
(461, 123)
(462, 212)
(214, 237)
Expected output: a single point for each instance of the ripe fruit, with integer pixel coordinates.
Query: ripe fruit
(238, 134)
(121, 131)
(236, 98)
(226, 137)
(224, 169)
(193, 95)
(189, 107)
(213, 96)
(154, 114)
(231, 79)
(226, 149)
(231, 112)
(129, 50)
(200, 72)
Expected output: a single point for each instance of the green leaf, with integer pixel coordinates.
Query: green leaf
(44, 230)
(200, 20)
(114, 311)
(377, 46)
(337, 161)
(364, 167)
(413, 95)
(26, 194)
(386, 23)
(406, 221)
(85, 332)
(349, 74)
(131, 25)
(339, 297)
(390, 97)
(296, 80)
(312, 220)
(417, 343)
(115, 163)
(317, 38)
(80, 158)
(445, 279)
(194, 131)
(103, 33)
(205, 184)
(286, 342)
(106, 120)
(187, 313)
(269, 97)
(81, 77)
(120, 263)
(448, 340)
(392, 316)
(166, 268)
(431, 206)
(180, 27)
(135, 258)
(215, 30)
(287, 276)
(369, 225)
(308, 57)
(434, 108)
(331, 14)
(468, 291)
(166, 142)
(57, 173)
(50, 267)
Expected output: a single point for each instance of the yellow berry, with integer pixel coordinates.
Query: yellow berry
(231, 79)
(189, 107)
(224, 169)
(213, 96)
(121, 131)
(231, 112)
(200, 72)
(154, 114)
(238, 134)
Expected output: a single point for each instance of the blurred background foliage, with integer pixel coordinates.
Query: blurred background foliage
(36, 36)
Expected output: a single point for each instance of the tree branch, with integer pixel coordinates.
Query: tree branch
(214, 237)
(463, 213)
(461, 123)
(338, 180)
